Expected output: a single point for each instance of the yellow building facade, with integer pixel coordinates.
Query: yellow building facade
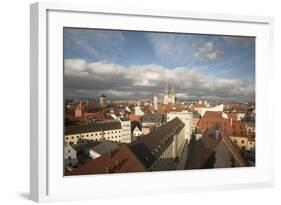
(244, 142)
(112, 135)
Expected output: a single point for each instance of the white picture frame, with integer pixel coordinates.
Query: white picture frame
(47, 182)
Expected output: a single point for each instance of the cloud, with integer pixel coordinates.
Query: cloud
(207, 52)
(183, 49)
(89, 80)
(239, 41)
(75, 65)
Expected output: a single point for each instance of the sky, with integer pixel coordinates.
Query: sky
(136, 65)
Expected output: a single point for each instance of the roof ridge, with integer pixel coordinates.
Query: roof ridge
(234, 151)
(133, 154)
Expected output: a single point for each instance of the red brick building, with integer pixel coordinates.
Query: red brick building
(230, 126)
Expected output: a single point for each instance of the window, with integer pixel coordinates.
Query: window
(242, 141)
(77, 136)
(72, 137)
(82, 135)
(66, 138)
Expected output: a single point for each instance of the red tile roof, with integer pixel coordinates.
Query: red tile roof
(173, 108)
(231, 127)
(119, 161)
(232, 115)
(132, 117)
(199, 105)
(212, 114)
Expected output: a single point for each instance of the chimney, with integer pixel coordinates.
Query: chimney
(230, 121)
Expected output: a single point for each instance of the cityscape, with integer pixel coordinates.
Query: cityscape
(137, 101)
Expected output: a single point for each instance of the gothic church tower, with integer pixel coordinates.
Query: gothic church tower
(169, 97)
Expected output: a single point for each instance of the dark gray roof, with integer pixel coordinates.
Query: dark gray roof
(251, 124)
(151, 146)
(211, 151)
(105, 147)
(201, 150)
(196, 114)
(96, 127)
(156, 118)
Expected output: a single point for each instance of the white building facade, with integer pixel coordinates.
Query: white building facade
(155, 102)
(111, 130)
(126, 131)
(103, 100)
(187, 118)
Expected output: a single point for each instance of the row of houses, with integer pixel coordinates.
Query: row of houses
(157, 142)
(161, 149)
(242, 133)
(114, 130)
